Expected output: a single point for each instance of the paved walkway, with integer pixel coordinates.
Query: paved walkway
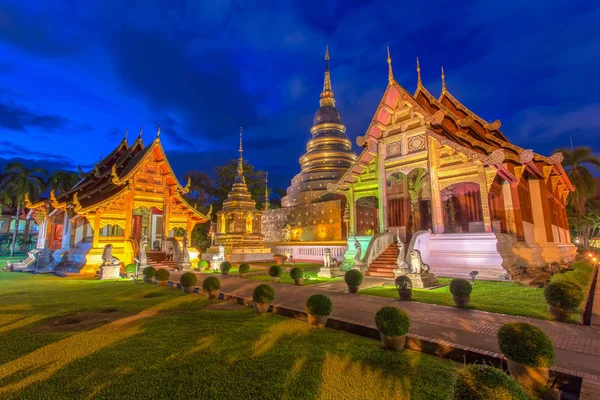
(577, 347)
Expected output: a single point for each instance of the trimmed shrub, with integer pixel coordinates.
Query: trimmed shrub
(275, 271)
(319, 304)
(524, 343)
(225, 267)
(211, 283)
(149, 272)
(162, 274)
(202, 264)
(564, 294)
(483, 382)
(244, 268)
(403, 282)
(279, 255)
(297, 273)
(460, 288)
(130, 268)
(263, 294)
(188, 279)
(582, 274)
(353, 278)
(392, 321)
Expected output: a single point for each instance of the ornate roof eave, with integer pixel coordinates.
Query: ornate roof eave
(492, 127)
(193, 209)
(78, 208)
(30, 205)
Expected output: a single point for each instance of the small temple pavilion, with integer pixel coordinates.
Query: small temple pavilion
(435, 170)
(129, 193)
(239, 223)
(310, 215)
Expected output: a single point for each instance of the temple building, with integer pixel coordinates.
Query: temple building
(453, 186)
(129, 193)
(239, 224)
(310, 215)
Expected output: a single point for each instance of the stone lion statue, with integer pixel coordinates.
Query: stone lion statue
(108, 258)
(142, 252)
(357, 257)
(221, 255)
(416, 263)
(328, 260)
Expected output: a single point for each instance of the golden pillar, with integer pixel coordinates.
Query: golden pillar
(97, 228)
(437, 212)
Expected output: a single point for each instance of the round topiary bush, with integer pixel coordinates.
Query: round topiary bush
(188, 279)
(263, 294)
(563, 294)
(202, 264)
(482, 382)
(319, 304)
(211, 284)
(149, 272)
(460, 287)
(225, 267)
(275, 271)
(403, 282)
(297, 273)
(392, 321)
(162, 274)
(130, 269)
(353, 278)
(524, 343)
(244, 268)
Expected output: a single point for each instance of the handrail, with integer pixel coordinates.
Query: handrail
(378, 245)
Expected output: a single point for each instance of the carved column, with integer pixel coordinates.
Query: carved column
(352, 203)
(382, 189)
(41, 241)
(190, 226)
(542, 226)
(97, 228)
(66, 232)
(437, 214)
(127, 232)
(485, 201)
(167, 213)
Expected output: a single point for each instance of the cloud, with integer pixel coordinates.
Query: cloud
(20, 118)
(13, 151)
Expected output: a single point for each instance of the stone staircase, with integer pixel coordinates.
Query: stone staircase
(158, 260)
(384, 265)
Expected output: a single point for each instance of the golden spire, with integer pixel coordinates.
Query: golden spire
(419, 82)
(240, 167)
(140, 134)
(327, 93)
(266, 190)
(443, 81)
(389, 61)
(125, 137)
(158, 132)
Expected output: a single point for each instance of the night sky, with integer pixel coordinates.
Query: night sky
(75, 75)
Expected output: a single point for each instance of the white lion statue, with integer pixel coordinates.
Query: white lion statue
(416, 263)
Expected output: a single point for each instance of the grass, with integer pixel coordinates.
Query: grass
(166, 345)
(285, 278)
(498, 297)
(17, 257)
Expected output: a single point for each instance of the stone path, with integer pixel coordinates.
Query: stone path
(577, 346)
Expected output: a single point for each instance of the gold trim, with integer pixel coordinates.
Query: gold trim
(327, 125)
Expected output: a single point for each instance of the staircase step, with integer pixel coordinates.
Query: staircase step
(380, 274)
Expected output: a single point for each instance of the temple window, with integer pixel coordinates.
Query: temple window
(111, 230)
(462, 208)
(497, 211)
(525, 201)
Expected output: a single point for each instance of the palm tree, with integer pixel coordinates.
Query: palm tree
(61, 181)
(580, 175)
(15, 184)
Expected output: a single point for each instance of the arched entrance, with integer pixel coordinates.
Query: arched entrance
(409, 202)
(366, 223)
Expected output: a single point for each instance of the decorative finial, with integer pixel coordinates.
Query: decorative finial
(266, 190)
(140, 134)
(327, 93)
(443, 80)
(389, 61)
(240, 167)
(158, 132)
(419, 82)
(125, 137)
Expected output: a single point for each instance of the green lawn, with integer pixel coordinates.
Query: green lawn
(131, 340)
(499, 297)
(285, 278)
(4, 259)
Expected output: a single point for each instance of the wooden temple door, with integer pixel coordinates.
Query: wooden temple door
(136, 229)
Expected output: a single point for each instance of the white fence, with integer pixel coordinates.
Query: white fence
(311, 253)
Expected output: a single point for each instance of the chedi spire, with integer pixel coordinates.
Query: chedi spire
(327, 98)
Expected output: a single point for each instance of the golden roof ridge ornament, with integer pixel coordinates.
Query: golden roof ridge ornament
(115, 177)
(419, 82)
(76, 203)
(327, 98)
(188, 185)
(140, 134)
(125, 136)
(26, 200)
(158, 132)
(443, 81)
(53, 200)
(389, 61)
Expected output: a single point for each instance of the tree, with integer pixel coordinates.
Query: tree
(585, 227)
(61, 181)
(201, 188)
(15, 184)
(580, 176)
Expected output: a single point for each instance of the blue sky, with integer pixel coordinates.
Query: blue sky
(74, 75)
